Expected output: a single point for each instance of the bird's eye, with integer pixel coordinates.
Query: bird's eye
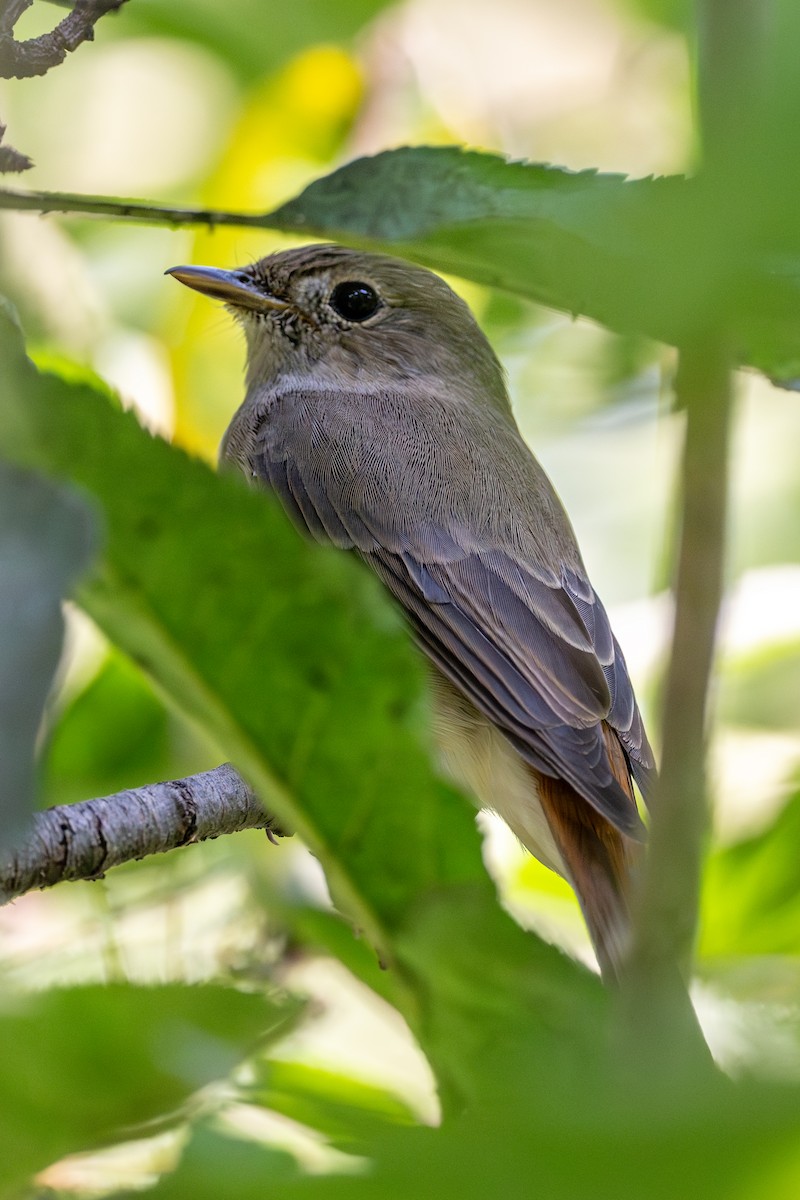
(354, 301)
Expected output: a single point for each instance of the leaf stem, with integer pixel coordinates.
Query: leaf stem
(654, 999)
(667, 916)
(129, 210)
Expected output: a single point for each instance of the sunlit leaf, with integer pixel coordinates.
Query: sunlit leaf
(347, 1111)
(675, 14)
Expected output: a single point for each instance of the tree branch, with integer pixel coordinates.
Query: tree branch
(82, 841)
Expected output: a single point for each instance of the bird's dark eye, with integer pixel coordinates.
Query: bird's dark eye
(354, 301)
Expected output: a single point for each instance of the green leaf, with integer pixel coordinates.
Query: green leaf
(584, 1141)
(80, 1063)
(46, 538)
(762, 688)
(641, 256)
(279, 648)
(675, 14)
(481, 992)
(581, 1145)
(538, 230)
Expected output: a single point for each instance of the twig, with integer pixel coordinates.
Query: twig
(11, 159)
(82, 841)
(22, 60)
(10, 13)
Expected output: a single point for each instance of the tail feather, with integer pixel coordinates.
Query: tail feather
(556, 825)
(600, 861)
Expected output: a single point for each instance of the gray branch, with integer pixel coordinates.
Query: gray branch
(82, 841)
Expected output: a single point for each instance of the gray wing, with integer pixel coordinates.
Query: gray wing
(531, 665)
(531, 648)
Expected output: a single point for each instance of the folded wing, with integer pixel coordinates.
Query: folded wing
(529, 643)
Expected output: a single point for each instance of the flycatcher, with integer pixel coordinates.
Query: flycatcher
(377, 410)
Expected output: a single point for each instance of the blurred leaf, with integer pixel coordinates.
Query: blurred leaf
(644, 256)
(50, 360)
(619, 1148)
(675, 14)
(46, 538)
(253, 36)
(290, 657)
(762, 689)
(751, 895)
(79, 1064)
(624, 360)
(576, 1143)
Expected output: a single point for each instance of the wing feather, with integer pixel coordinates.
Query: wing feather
(526, 640)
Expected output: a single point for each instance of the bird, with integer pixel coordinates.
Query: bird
(377, 411)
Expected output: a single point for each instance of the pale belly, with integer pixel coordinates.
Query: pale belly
(480, 759)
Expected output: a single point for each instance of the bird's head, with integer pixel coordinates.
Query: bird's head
(352, 319)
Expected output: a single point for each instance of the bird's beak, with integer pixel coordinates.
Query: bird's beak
(234, 287)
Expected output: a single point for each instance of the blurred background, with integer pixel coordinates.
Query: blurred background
(238, 106)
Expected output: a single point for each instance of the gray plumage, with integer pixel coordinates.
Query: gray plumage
(392, 435)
